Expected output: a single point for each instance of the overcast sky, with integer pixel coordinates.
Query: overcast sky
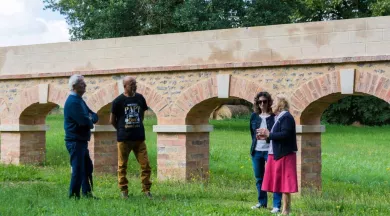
(25, 22)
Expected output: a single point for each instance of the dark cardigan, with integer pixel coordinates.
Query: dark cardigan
(283, 136)
(255, 123)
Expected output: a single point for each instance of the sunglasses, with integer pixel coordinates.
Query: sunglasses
(262, 102)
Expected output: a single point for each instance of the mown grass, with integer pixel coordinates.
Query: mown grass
(356, 175)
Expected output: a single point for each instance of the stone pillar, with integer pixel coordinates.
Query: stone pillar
(23, 144)
(309, 157)
(183, 151)
(103, 149)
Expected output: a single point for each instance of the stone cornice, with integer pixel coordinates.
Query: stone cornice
(340, 60)
(310, 129)
(16, 128)
(103, 128)
(182, 128)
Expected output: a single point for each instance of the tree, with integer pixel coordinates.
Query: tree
(320, 10)
(270, 12)
(94, 19)
(367, 110)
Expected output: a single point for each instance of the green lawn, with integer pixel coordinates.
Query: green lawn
(356, 175)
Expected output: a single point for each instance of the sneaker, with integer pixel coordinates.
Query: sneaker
(258, 205)
(275, 210)
(125, 195)
(148, 195)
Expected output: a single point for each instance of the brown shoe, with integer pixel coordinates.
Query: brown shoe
(125, 195)
(148, 195)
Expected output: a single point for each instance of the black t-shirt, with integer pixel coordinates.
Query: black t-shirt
(129, 112)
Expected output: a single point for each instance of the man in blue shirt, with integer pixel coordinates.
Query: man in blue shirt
(78, 122)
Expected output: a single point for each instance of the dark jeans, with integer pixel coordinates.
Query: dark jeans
(81, 168)
(259, 158)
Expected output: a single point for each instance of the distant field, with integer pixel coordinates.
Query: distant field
(356, 175)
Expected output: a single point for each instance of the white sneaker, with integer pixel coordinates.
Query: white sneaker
(275, 210)
(256, 206)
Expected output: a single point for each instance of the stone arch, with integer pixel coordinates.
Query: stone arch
(23, 126)
(196, 103)
(183, 143)
(303, 99)
(33, 104)
(312, 98)
(101, 100)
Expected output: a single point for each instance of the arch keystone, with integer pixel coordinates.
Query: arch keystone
(43, 91)
(121, 88)
(223, 83)
(347, 80)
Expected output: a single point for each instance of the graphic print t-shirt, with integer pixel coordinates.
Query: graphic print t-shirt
(129, 112)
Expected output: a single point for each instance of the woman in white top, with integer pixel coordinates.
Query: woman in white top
(262, 118)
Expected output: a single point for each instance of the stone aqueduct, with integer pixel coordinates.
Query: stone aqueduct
(185, 76)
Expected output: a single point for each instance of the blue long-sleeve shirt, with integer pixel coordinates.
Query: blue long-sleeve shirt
(77, 122)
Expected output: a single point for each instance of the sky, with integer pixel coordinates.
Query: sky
(25, 22)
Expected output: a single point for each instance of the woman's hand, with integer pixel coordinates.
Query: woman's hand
(260, 134)
(266, 133)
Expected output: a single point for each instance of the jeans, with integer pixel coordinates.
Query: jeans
(259, 158)
(141, 154)
(80, 162)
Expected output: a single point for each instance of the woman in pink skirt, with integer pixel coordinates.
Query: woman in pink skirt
(281, 169)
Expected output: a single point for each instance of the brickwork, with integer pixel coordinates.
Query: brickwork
(171, 156)
(104, 152)
(309, 160)
(178, 76)
(23, 147)
(183, 156)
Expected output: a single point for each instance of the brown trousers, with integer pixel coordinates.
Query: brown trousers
(141, 154)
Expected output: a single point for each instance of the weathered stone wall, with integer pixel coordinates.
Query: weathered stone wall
(343, 38)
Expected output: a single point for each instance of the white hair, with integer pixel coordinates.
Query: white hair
(74, 79)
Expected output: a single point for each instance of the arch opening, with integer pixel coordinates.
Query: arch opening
(202, 112)
(345, 142)
(36, 113)
(199, 148)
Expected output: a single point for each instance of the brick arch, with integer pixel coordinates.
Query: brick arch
(312, 98)
(195, 104)
(27, 109)
(101, 100)
(373, 84)
(57, 95)
(245, 89)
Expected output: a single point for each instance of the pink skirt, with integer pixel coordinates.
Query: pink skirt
(281, 175)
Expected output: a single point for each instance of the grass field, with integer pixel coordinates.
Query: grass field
(356, 175)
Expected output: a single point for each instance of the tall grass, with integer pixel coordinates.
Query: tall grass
(356, 175)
